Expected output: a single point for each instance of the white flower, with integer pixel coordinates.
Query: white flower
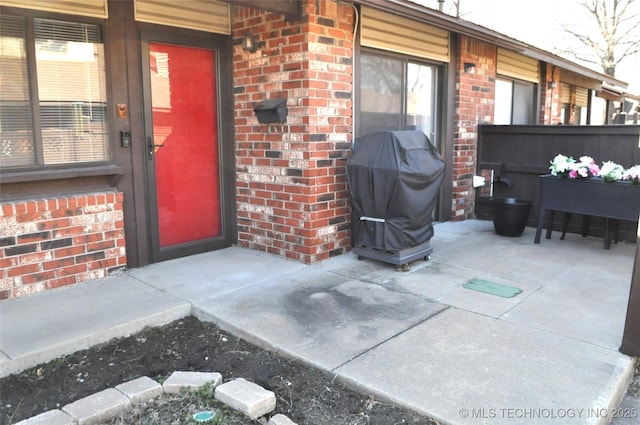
(632, 173)
(561, 165)
(611, 172)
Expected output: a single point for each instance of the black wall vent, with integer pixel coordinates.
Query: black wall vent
(271, 111)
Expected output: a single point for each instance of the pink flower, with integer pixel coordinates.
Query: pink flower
(573, 174)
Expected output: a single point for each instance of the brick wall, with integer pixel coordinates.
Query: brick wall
(474, 103)
(292, 193)
(54, 242)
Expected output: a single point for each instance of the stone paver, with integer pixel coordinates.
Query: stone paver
(280, 419)
(247, 397)
(141, 389)
(52, 417)
(192, 381)
(99, 406)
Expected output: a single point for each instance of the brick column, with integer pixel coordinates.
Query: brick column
(551, 107)
(291, 178)
(474, 100)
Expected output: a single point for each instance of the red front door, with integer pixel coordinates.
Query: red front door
(183, 158)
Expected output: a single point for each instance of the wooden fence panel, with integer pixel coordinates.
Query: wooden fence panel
(523, 153)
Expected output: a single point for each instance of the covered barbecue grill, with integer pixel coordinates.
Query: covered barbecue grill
(394, 181)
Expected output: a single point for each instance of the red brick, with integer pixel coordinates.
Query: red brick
(69, 252)
(98, 246)
(25, 217)
(55, 264)
(60, 282)
(102, 264)
(53, 225)
(20, 208)
(62, 229)
(68, 271)
(5, 263)
(23, 270)
(38, 277)
(8, 210)
(31, 206)
(84, 239)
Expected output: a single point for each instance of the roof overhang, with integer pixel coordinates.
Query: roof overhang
(605, 85)
(460, 26)
(610, 93)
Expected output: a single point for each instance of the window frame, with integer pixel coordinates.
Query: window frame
(513, 82)
(39, 170)
(405, 60)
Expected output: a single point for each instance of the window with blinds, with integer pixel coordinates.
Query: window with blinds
(70, 100)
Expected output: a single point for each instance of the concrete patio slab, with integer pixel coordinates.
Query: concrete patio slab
(322, 318)
(477, 247)
(593, 316)
(41, 327)
(204, 275)
(462, 377)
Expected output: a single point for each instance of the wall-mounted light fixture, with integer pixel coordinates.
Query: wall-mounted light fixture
(552, 84)
(470, 67)
(249, 43)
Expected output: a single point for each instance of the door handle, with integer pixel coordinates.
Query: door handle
(152, 146)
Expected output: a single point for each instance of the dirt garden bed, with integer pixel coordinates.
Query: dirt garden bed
(306, 395)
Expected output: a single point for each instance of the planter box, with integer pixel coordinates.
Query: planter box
(592, 197)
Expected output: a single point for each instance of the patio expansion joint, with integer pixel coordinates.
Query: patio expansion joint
(192, 301)
(519, 302)
(373, 347)
(383, 285)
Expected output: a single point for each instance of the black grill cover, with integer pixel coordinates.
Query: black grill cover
(394, 176)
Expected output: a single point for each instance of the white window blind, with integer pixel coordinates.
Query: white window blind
(16, 123)
(71, 91)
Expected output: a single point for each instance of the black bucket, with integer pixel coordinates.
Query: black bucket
(510, 215)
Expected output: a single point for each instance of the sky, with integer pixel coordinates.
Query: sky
(539, 23)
